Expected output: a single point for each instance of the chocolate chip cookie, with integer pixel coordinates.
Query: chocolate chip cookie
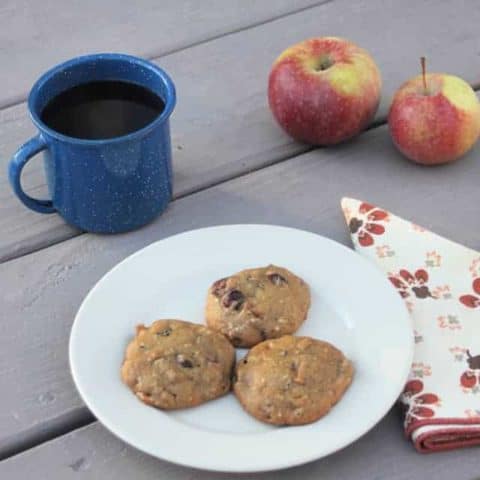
(292, 380)
(176, 364)
(257, 304)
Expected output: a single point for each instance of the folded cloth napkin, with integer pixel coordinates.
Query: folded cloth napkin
(440, 283)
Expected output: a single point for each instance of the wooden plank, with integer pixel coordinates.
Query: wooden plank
(222, 126)
(105, 28)
(91, 453)
(42, 291)
(36, 35)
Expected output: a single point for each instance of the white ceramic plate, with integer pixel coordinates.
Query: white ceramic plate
(353, 306)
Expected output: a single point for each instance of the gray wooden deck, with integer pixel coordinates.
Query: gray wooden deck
(226, 150)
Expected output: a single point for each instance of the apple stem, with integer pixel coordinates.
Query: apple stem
(424, 74)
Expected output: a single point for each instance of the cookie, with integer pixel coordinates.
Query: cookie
(292, 380)
(257, 304)
(176, 364)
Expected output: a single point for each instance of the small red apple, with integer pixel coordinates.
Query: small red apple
(468, 379)
(324, 90)
(434, 118)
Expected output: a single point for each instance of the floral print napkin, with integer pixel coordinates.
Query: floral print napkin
(440, 283)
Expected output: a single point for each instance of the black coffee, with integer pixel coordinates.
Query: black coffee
(99, 110)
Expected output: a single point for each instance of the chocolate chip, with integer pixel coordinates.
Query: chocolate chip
(234, 299)
(245, 361)
(184, 362)
(236, 341)
(277, 279)
(218, 288)
(164, 333)
(355, 224)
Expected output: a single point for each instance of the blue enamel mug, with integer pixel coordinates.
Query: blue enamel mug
(106, 185)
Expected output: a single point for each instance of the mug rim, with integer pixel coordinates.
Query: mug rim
(170, 99)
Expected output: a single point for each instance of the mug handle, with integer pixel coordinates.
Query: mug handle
(18, 161)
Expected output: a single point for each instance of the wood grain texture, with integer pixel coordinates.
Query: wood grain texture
(42, 291)
(147, 28)
(36, 35)
(92, 453)
(222, 127)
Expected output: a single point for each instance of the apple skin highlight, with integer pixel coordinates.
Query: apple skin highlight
(324, 91)
(437, 126)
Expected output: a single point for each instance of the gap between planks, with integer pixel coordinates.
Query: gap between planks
(163, 53)
(282, 158)
(81, 418)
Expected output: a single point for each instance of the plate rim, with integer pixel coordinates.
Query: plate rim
(210, 466)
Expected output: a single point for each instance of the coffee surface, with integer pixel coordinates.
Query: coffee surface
(101, 110)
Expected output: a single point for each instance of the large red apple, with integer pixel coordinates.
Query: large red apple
(324, 90)
(434, 118)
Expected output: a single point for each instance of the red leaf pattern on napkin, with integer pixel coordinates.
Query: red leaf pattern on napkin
(406, 283)
(419, 404)
(472, 301)
(439, 281)
(367, 223)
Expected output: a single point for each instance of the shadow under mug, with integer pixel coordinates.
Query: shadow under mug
(109, 185)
